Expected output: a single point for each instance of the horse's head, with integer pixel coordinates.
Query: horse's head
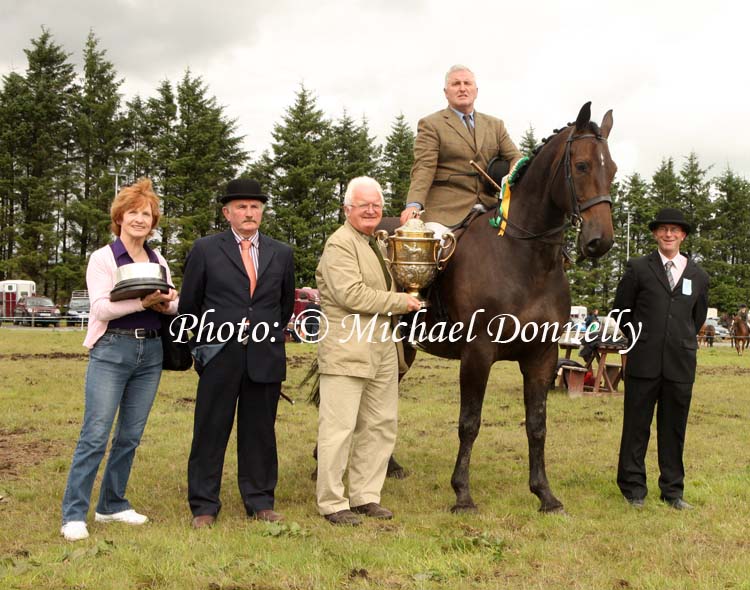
(586, 170)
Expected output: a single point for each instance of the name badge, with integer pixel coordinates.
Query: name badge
(687, 287)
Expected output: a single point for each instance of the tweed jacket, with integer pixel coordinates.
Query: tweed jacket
(671, 319)
(215, 279)
(442, 180)
(352, 286)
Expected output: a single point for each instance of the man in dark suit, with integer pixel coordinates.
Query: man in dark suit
(668, 294)
(443, 184)
(244, 279)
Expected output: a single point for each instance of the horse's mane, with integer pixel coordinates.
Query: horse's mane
(591, 127)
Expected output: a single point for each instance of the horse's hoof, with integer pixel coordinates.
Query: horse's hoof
(464, 509)
(399, 473)
(556, 509)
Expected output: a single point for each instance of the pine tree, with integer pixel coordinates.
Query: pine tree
(303, 180)
(15, 102)
(528, 142)
(46, 177)
(398, 157)
(696, 205)
(354, 154)
(99, 133)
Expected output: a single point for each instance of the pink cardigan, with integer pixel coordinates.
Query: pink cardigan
(100, 279)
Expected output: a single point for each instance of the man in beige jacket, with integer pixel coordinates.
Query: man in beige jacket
(358, 361)
(443, 184)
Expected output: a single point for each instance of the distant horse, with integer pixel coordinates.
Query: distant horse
(739, 332)
(521, 274)
(706, 335)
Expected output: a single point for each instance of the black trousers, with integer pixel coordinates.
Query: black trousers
(672, 402)
(223, 388)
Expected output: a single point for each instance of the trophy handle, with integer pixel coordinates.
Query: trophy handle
(382, 237)
(448, 249)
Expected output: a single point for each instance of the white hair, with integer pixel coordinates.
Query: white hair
(361, 182)
(458, 68)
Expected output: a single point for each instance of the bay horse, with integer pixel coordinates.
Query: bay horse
(521, 273)
(739, 332)
(706, 335)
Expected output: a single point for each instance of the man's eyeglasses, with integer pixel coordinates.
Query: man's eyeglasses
(366, 207)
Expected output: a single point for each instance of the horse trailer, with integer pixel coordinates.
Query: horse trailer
(11, 291)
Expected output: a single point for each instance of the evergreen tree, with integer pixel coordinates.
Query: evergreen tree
(528, 142)
(696, 205)
(15, 102)
(398, 157)
(45, 158)
(303, 181)
(98, 128)
(354, 154)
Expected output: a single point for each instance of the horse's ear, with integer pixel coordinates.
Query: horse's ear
(584, 116)
(606, 126)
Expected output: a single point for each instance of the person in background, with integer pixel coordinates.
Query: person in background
(124, 368)
(667, 293)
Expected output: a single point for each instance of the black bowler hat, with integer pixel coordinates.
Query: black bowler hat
(669, 216)
(243, 188)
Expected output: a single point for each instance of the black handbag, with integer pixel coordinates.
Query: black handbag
(177, 355)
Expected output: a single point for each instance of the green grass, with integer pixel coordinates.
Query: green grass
(600, 544)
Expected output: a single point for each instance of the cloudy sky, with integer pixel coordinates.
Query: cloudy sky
(673, 71)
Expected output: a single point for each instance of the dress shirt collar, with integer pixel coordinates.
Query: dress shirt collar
(119, 250)
(254, 239)
(461, 116)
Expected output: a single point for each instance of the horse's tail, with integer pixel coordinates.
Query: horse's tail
(313, 373)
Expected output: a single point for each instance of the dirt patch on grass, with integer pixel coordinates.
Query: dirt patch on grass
(723, 370)
(17, 453)
(45, 356)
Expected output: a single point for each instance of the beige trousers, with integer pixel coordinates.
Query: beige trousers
(357, 417)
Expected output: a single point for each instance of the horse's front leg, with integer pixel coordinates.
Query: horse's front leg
(538, 375)
(475, 369)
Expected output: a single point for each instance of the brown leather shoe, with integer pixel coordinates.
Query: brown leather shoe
(268, 516)
(373, 510)
(203, 521)
(344, 518)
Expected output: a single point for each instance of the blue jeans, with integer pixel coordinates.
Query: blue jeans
(123, 374)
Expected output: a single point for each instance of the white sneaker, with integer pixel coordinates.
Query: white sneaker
(75, 530)
(126, 516)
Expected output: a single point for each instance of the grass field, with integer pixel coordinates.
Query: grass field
(601, 543)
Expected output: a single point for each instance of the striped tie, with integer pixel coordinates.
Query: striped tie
(668, 265)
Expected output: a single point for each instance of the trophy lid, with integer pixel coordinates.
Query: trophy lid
(414, 228)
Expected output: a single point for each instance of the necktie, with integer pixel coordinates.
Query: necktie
(668, 267)
(469, 126)
(247, 260)
(374, 245)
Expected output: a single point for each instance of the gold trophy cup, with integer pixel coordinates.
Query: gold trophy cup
(415, 256)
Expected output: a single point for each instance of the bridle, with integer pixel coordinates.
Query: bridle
(576, 207)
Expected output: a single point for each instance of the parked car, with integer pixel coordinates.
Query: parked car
(78, 310)
(720, 331)
(35, 311)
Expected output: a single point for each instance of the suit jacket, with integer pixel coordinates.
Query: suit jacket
(351, 281)
(442, 180)
(215, 278)
(671, 319)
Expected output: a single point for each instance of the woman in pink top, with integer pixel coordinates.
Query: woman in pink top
(124, 366)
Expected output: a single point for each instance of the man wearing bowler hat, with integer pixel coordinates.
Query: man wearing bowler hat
(242, 278)
(667, 293)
